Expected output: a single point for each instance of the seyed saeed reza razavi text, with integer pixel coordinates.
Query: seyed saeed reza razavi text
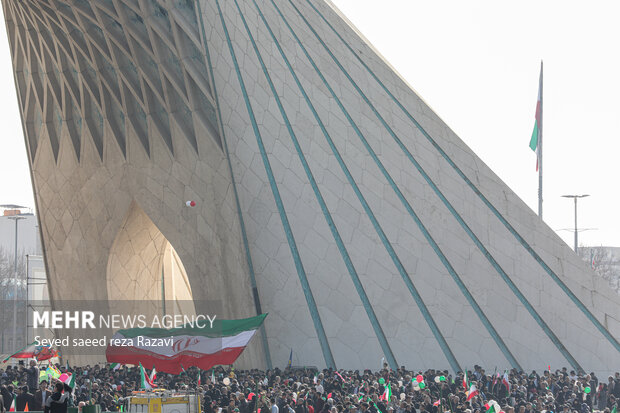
(139, 341)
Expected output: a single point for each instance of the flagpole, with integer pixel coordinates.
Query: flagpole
(540, 147)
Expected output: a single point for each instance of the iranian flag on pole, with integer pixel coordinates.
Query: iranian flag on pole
(473, 391)
(144, 381)
(387, 394)
(202, 345)
(69, 380)
(34, 351)
(465, 380)
(535, 139)
(506, 381)
(492, 407)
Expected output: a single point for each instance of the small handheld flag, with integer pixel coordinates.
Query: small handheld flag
(72, 381)
(43, 376)
(144, 382)
(387, 393)
(506, 382)
(473, 391)
(53, 372)
(492, 407)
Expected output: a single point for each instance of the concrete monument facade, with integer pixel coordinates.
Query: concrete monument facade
(328, 193)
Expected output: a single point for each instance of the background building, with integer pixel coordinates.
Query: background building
(328, 193)
(28, 240)
(31, 278)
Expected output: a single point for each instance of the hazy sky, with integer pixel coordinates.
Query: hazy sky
(476, 63)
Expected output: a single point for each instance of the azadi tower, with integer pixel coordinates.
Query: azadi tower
(328, 194)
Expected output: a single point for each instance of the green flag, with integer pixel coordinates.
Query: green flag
(43, 376)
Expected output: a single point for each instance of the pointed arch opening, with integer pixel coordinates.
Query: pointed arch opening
(145, 272)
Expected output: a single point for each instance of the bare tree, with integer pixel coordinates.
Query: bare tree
(7, 295)
(604, 263)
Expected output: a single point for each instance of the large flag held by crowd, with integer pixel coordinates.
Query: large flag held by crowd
(203, 347)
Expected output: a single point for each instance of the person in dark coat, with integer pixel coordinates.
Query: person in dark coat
(56, 407)
(40, 397)
(32, 376)
(24, 398)
(65, 400)
(6, 397)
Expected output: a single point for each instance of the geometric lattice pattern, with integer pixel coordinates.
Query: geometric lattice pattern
(97, 68)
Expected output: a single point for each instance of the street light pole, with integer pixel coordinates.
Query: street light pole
(16, 218)
(576, 197)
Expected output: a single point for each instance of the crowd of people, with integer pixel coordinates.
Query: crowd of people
(227, 390)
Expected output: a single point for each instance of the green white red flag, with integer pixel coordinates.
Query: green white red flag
(506, 381)
(535, 139)
(144, 381)
(12, 408)
(473, 391)
(168, 350)
(492, 407)
(69, 380)
(387, 394)
(34, 351)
